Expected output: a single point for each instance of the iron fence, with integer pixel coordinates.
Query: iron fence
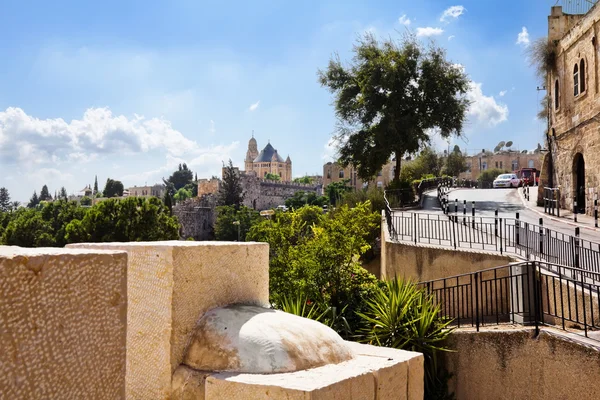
(530, 293)
(576, 6)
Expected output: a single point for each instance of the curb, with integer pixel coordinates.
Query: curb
(552, 218)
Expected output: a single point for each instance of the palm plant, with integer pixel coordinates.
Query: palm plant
(402, 316)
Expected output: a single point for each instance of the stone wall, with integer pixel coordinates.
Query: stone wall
(208, 186)
(574, 119)
(197, 217)
(260, 194)
(62, 324)
(513, 364)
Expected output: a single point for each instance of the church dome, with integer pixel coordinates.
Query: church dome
(266, 155)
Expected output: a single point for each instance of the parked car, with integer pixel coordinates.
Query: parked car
(282, 208)
(506, 181)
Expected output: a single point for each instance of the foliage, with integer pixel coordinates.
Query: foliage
(96, 184)
(231, 192)
(34, 200)
(428, 162)
(226, 227)
(307, 180)
(456, 163)
(335, 191)
(28, 229)
(63, 193)
(390, 97)
(319, 255)
(182, 194)
(487, 177)
(373, 195)
(402, 316)
(5, 204)
(168, 202)
(272, 177)
(192, 188)
(302, 198)
(45, 194)
(180, 178)
(113, 188)
(542, 56)
(401, 192)
(85, 201)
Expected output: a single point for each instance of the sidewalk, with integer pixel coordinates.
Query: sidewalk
(566, 217)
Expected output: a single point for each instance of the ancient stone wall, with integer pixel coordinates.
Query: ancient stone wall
(260, 194)
(197, 217)
(575, 115)
(208, 186)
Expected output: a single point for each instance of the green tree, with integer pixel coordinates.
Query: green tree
(85, 201)
(63, 193)
(28, 229)
(15, 205)
(182, 194)
(486, 178)
(428, 162)
(45, 194)
(113, 188)
(180, 178)
(95, 184)
(456, 163)
(302, 198)
(168, 202)
(5, 204)
(307, 180)
(272, 177)
(231, 192)
(232, 221)
(59, 214)
(335, 191)
(389, 99)
(34, 200)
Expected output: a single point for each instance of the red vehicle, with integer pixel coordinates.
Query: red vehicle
(529, 176)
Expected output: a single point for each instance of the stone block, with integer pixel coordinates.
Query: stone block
(62, 323)
(170, 286)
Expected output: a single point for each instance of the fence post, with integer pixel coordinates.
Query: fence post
(473, 213)
(518, 226)
(596, 213)
(537, 298)
(545, 200)
(464, 212)
(496, 223)
(575, 209)
(454, 234)
(557, 191)
(456, 210)
(541, 236)
(477, 300)
(577, 248)
(414, 216)
(500, 235)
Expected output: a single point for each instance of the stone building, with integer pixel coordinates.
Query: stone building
(268, 161)
(206, 186)
(157, 190)
(508, 161)
(335, 172)
(574, 107)
(197, 217)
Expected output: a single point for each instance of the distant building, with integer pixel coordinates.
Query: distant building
(157, 190)
(268, 161)
(335, 172)
(510, 161)
(208, 186)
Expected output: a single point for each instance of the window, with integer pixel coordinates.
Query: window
(328, 174)
(496, 164)
(468, 167)
(515, 165)
(556, 94)
(576, 81)
(341, 173)
(379, 185)
(530, 164)
(500, 164)
(582, 76)
(484, 166)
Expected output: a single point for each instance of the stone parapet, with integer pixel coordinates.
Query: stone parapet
(62, 323)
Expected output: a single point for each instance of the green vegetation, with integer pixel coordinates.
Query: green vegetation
(486, 178)
(234, 221)
(272, 177)
(231, 192)
(182, 194)
(60, 222)
(392, 112)
(456, 163)
(307, 180)
(301, 199)
(113, 188)
(335, 191)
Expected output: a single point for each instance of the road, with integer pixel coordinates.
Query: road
(507, 202)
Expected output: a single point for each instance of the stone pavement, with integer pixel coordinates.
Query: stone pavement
(566, 216)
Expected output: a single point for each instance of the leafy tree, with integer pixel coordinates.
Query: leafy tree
(228, 217)
(34, 200)
(335, 191)
(390, 98)
(192, 188)
(302, 198)
(180, 178)
(95, 184)
(59, 214)
(168, 202)
(5, 204)
(45, 194)
(85, 201)
(455, 163)
(63, 193)
(486, 178)
(428, 162)
(182, 194)
(272, 177)
(15, 205)
(231, 192)
(28, 229)
(113, 188)
(307, 180)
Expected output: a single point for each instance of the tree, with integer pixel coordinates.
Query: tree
(455, 163)
(390, 98)
(168, 202)
(85, 201)
(182, 194)
(307, 180)
(302, 198)
(95, 184)
(63, 193)
(428, 162)
(28, 229)
(231, 192)
(335, 191)
(15, 205)
(113, 188)
(272, 177)
(45, 194)
(34, 200)
(232, 221)
(180, 178)
(5, 204)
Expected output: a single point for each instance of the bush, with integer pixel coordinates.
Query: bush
(486, 178)
(400, 193)
(402, 316)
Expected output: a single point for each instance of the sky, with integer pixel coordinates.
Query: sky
(129, 89)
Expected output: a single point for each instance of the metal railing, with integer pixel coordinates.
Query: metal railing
(552, 201)
(576, 6)
(530, 293)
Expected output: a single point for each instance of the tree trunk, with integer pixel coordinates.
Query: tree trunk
(398, 166)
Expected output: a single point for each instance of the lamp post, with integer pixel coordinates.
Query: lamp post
(238, 226)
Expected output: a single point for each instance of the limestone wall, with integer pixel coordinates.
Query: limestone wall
(197, 217)
(170, 286)
(513, 364)
(62, 324)
(261, 195)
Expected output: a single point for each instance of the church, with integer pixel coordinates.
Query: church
(268, 161)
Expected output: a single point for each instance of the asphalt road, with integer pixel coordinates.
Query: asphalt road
(507, 202)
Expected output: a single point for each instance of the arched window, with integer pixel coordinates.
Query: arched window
(576, 81)
(341, 173)
(582, 76)
(556, 94)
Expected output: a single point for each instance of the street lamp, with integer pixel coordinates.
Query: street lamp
(238, 225)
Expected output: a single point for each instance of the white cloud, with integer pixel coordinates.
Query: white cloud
(452, 12)
(502, 93)
(459, 67)
(523, 38)
(254, 106)
(484, 109)
(451, 37)
(429, 31)
(212, 130)
(330, 153)
(404, 20)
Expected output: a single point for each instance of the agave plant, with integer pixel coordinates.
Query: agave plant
(402, 316)
(299, 304)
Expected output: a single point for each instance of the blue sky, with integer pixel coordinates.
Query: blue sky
(128, 89)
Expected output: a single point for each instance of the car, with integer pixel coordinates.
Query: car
(507, 181)
(282, 208)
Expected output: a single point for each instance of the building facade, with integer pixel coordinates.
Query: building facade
(510, 161)
(268, 161)
(574, 107)
(157, 190)
(335, 172)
